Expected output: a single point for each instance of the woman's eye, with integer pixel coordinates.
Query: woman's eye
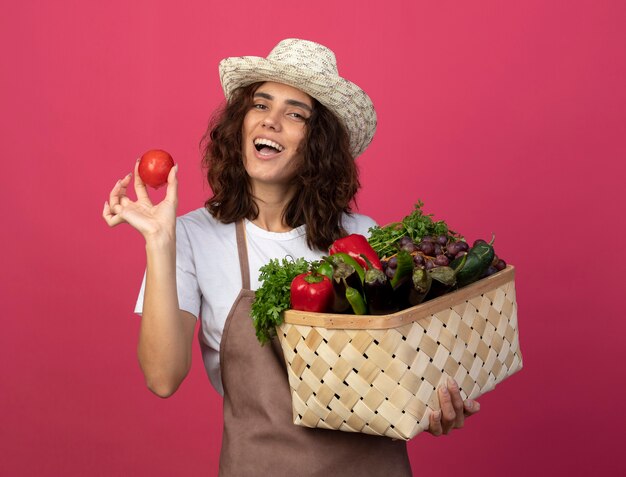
(297, 116)
(260, 106)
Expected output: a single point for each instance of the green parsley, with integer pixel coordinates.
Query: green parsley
(416, 225)
(274, 295)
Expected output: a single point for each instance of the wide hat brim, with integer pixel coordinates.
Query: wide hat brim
(345, 99)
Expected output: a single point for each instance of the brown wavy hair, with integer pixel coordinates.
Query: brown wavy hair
(326, 180)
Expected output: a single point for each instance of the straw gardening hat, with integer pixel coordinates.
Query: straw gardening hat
(311, 68)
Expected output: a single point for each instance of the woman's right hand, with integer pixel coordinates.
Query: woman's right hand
(149, 219)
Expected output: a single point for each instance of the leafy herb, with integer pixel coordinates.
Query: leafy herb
(273, 296)
(416, 225)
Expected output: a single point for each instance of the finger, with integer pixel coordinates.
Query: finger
(457, 403)
(106, 211)
(172, 185)
(140, 187)
(118, 191)
(124, 182)
(123, 197)
(111, 219)
(448, 415)
(435, 423)
(470, 407)
(114, 197)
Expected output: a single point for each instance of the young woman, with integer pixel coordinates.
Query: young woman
(280, 161)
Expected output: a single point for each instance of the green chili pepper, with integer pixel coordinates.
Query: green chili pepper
(356, 300)
(478, 260)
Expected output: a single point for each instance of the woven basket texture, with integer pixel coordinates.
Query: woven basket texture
(379, 374)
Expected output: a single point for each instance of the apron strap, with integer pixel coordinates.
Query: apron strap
(243, 254)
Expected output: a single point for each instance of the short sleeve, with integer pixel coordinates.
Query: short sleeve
(189, 296)
(358, 224)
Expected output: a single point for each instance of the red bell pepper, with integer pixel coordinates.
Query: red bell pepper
(356, 245)
(312, 291)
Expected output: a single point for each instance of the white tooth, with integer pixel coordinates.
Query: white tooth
(267, 142)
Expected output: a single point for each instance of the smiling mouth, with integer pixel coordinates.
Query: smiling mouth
(267, 147)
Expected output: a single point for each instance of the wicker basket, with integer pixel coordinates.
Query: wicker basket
(378, 374)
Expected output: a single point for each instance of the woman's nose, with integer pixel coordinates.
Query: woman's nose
(271, 120)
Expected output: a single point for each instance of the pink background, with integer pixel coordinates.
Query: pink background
(502, 116)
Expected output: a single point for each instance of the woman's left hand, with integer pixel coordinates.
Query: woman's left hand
(453, 410)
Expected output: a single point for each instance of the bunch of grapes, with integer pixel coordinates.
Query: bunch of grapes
(432, 252)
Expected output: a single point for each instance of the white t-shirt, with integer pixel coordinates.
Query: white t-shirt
(208, 276)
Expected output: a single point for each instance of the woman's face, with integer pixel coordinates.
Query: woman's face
(273, 130)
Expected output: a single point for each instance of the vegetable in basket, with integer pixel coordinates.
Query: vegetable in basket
(340, 257)
(356, 246)
(378, 293)
(478, 260)
(311, 291)
(273, 296)
(425, 259)
(356, 300)
(404, 268)
(344, 276)
(417, 225)
(325, 268)
(422, 281)
(444, 278)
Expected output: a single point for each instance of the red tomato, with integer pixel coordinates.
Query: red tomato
(154, 167)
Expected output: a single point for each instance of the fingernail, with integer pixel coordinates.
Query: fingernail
(437, 415)
(444, 389)
(469, 404)
(452, 383)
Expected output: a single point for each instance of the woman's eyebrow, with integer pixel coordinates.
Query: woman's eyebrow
(291, 102)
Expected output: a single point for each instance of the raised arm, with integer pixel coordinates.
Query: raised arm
(166, 333)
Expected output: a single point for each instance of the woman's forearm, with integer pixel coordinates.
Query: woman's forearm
(166, 333)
